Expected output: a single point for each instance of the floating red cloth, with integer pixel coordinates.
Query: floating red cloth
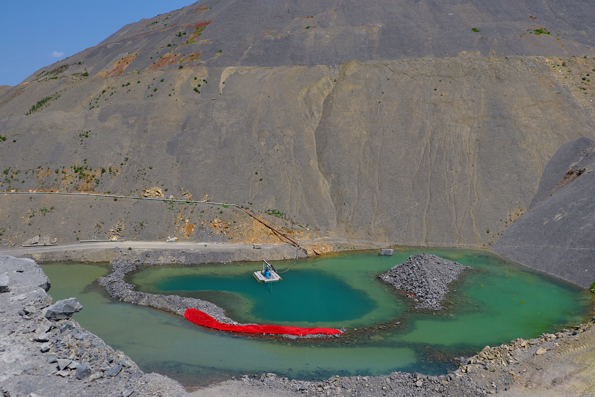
(203, 319)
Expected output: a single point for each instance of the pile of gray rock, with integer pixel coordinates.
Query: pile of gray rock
(424, 278)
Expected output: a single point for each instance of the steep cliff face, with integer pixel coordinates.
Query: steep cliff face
(556, 234)
(430, 151)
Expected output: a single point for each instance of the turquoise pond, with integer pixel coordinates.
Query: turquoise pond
(493, 303)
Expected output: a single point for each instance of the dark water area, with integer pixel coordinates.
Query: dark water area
(302, 297)
(493, 303)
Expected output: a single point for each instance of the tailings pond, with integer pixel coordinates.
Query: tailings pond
(491, 304)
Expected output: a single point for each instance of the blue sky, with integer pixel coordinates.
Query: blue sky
(38, 33)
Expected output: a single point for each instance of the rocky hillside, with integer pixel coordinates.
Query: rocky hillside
(325, 32)
(4, 88)
(408, 123)
(556, 235)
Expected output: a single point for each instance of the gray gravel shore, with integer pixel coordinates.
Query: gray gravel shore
(506, 369)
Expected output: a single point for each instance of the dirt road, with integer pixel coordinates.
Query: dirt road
(150, 245)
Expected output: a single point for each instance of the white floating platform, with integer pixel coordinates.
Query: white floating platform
(262, 279)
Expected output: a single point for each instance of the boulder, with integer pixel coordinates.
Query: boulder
(63, 363)
(4, 283)
(30, 310)
(40, 240)
(541, 350)
(153, 192)
(114, 371)
(63, 309)
(386, 252)
(44, 337)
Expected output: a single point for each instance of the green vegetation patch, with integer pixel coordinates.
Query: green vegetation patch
(42, 103)
(539, 31)
(276, 213)
(59, 69)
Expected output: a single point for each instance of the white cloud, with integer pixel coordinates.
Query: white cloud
(56, 54)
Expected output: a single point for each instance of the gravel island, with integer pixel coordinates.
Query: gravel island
(424, 278)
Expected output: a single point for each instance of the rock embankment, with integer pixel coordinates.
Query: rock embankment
(46, 353)
(395, 384)
(424, 278)
(119, 289)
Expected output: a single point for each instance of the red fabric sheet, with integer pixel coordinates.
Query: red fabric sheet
(203, 319)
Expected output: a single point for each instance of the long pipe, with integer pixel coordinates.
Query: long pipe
(272, 228)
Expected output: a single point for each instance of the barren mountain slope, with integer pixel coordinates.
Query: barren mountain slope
(360, 143)
(4, 88)
(330, 32)
(556, 235)
(418, 152)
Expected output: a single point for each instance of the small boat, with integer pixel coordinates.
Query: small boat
(267, 274)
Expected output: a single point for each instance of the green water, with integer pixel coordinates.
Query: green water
(303, 297)
(494, 303)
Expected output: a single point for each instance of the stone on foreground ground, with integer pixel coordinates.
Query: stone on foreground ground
(63, 309)
(58, 357)
(424, 278)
